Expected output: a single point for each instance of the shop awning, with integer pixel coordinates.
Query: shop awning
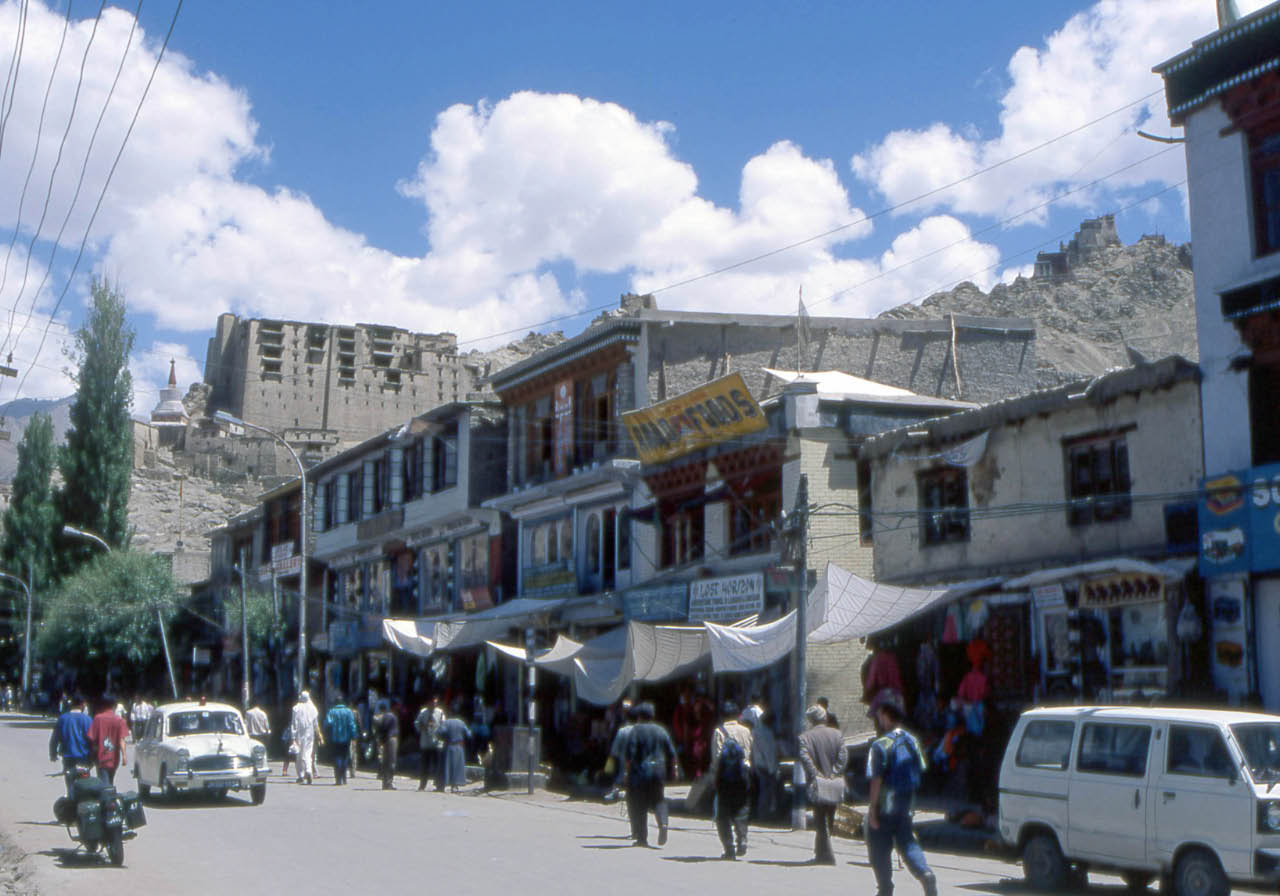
(422, 637)
(1173, 568)
(410, 635)
(851, 607)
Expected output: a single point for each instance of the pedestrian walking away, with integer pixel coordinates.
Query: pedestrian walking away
(455, 734)
(650, 758)
(304, 729)
(70, 740)
(107, 734)
(386, 726)
(257, 724)
(764, 760)
(824, 757)
(731, 772)
(341, 722)
(427, 724)
(895, 765)
(615, 767)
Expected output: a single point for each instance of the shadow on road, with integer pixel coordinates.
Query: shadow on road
(194, 801)
(75, 858)
(49, 824)
(785, 863)
(614, 845)
(1009, 886)
(692, 860)
(46, 724)
(604, 837)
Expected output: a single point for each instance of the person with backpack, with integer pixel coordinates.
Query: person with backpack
(895, 765)
(731, 774)
(650, 756)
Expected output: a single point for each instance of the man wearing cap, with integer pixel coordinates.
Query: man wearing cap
(731, 772)
(650, 756)
(824, 757)
(894, 758)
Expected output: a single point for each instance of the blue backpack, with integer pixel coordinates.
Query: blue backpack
(902, 774)
(732, 769)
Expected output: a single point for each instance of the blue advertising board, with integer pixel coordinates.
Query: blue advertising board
(1239, 518)
(656, 603)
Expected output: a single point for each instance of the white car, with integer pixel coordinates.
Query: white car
(199, 747)
(1188, 795)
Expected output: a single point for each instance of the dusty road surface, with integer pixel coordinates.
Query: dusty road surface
(323, 839)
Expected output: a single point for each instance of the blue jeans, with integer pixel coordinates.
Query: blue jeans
(341, 761)
(894, 830)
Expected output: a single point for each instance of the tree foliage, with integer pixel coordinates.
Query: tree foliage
(102, 619)
(97, 459)
(267, 627)
(31, 521)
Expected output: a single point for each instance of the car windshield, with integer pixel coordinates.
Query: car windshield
(1260, 743)
(204, 721)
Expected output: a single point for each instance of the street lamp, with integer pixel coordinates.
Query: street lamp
(164, 636)
(26, 653)
(232, 420)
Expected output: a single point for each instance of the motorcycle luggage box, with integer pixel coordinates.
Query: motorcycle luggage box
(89, 814)
(89, 788)
(134, 816)
(64, 810)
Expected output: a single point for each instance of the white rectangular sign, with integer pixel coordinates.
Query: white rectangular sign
(726, 599)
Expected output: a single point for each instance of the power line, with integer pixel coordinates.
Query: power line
(35, 156)
(15, 66)
(106, 184)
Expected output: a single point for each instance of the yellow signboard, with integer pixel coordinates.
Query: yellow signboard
(720, 410)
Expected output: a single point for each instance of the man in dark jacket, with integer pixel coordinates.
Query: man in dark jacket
(650, 755)
(824, 757)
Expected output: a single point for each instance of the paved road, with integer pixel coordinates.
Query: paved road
(324, 839)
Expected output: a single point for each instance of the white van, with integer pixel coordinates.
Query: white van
(1189, 795)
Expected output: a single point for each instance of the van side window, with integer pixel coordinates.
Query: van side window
(1114, 749)
(1194, 750)
(1046, 744)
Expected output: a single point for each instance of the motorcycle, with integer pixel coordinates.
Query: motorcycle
(102, 817)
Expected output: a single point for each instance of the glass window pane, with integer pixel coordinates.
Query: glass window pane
(1046, 744)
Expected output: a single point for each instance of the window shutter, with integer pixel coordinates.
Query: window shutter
(366, 504)
(344, 494)
(396, 476)
(317, 511)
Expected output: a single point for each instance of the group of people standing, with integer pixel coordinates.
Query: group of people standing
(98, 741)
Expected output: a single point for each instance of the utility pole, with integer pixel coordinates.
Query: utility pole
(246, 694)
(800, 533)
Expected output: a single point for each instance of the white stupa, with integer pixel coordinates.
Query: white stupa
(170, 412)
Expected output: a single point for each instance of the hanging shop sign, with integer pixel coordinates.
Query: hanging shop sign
(726, 599)
(656, 603)
(720, 410)
(1264, 518)
(1224, 525)
(555, 581)
(1118, 590)
(1229, 651)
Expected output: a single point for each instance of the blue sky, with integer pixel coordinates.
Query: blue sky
(483, 167)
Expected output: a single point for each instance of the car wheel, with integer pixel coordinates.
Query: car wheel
(166, 786)
(1043, 864)
(258, 793)
(218, 793)
(143, 789)
(1137, 881)
(1198, 873)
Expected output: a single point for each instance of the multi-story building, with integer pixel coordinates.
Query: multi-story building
(1222, 92)
(1042, 511)
(401, 532)
(321, 385)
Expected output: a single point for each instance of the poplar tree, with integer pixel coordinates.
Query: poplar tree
(31, 520)
(97, 459)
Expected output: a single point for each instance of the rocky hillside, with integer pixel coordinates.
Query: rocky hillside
(1116, 303)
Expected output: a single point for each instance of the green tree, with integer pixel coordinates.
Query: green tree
(97, 459)
(101, 620)
(267, 627)
(31, 521)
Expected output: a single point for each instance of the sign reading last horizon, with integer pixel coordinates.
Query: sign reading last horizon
(720, 410)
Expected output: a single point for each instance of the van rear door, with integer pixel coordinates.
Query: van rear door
(1107, 802)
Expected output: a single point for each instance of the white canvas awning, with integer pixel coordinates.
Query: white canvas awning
(410, 635)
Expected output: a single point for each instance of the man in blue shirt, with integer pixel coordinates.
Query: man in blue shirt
(70, 739)
(894, 766)
(341, 722)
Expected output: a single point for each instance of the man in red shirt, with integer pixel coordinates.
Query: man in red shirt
(107, 734)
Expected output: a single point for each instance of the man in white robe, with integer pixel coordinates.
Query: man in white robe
(304, 727)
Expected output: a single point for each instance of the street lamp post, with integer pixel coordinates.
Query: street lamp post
(164, 635)
(232, 420)
(26, 652)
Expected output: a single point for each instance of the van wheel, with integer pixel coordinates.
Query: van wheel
(1199, 874)
(1043, 864)
(1137, 881)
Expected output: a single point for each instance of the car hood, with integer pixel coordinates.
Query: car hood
(207, 744)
